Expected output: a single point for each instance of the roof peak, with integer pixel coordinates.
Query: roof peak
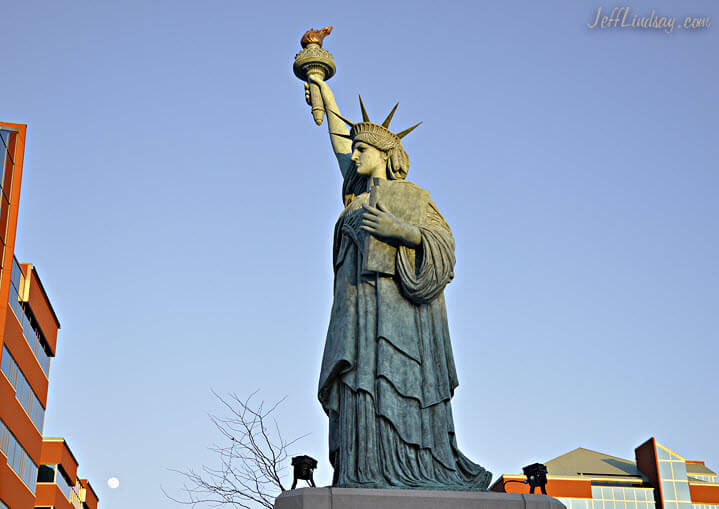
(587, 461)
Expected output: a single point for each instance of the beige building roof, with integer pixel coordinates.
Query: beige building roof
(698, 469)
(583, 461)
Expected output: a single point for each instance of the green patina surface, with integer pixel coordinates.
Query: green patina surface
(388, 372)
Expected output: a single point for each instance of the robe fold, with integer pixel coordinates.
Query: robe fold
(388, 372)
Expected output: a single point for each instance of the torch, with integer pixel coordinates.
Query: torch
(314, 60)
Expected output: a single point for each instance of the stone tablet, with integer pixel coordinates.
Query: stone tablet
(407, 203)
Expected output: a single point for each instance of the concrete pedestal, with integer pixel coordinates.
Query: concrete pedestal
(354, 498)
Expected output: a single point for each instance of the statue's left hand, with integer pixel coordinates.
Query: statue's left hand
(383, 224)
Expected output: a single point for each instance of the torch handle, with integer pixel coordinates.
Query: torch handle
(318, 106)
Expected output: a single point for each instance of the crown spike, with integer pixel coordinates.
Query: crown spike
(407, 131)
(351, 124)
(387, 120)
(365, 117)
(349, 137)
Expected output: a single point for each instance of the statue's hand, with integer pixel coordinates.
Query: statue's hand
(313, 79)
(383, 224)
(316, 78)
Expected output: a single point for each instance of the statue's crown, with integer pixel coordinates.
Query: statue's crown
(382, 131)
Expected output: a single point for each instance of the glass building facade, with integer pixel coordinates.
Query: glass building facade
(673, 480)
(7, 166)
(24, 393)
(17, 458)
(613, 497)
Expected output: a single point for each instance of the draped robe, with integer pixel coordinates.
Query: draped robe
(388, 372)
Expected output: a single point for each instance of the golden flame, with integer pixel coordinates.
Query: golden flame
(315, 36)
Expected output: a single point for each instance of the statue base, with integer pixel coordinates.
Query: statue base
(366, 498)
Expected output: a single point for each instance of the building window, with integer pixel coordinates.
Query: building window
(24, 316)
(24, 393)
(6, 161)
(7, 166)
(17, 458)
(46, 473)
(615, 497)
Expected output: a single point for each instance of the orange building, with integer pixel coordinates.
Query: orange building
(28, 338)
(58, 485)
(659, 478)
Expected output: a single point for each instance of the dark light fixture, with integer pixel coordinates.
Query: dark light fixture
(303, 467)
(536, 476)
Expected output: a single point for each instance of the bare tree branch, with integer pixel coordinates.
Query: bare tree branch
(251, 465)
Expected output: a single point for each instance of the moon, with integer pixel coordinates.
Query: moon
(113, 482)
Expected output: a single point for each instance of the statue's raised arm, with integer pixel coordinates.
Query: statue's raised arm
(314, 66)
(341, 145)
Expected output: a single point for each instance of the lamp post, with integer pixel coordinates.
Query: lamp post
(303, 467)
(536, 477)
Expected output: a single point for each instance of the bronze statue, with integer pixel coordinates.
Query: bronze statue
(388, 373)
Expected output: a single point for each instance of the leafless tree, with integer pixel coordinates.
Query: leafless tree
(252, 460)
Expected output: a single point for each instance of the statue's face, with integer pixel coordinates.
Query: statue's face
(370, 161)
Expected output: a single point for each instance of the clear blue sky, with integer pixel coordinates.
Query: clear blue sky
(179, 203)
